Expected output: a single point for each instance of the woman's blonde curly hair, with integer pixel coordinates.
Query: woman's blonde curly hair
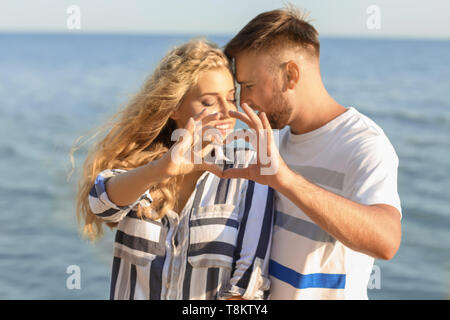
(141, 132)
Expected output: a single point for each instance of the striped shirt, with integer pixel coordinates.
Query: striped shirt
(217, 247)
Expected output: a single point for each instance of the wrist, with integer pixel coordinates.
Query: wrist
(287, 179)
(158, 170)
(283, 178)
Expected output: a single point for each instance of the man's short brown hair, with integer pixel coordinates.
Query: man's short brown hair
(274, 28)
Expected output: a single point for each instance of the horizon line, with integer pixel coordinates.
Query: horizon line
(217, 34)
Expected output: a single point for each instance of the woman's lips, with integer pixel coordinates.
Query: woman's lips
(224, 127)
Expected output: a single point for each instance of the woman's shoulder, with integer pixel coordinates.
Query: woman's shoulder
(106, 173)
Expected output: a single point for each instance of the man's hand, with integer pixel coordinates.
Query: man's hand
(269, 166)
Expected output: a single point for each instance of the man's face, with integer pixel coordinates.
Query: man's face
(261, 87)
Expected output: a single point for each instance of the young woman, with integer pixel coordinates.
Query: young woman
(182, 231)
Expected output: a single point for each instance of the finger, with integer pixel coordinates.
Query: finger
(208, 117)
(253, 116)
(236, 173)
(190, 125)
(268, 131)
(205, 117)
(196, 141)
(205, 132)
(207, 149)
(265, 121)
(257, 125)
(180, 150)
(198, 115)
(210, 134)
(186, 134)
(241, 116)
(184, 143)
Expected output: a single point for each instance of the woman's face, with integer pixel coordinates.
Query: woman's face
(214, 91)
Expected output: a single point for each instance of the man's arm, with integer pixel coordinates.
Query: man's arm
(371, 229)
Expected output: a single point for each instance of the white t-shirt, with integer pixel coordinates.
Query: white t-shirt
(349, 156)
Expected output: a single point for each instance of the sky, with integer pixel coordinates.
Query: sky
(391, 18)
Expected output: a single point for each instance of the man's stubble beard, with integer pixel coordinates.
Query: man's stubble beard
(279, 111)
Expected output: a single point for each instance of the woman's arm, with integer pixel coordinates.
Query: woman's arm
(125, 188)
(102, 206)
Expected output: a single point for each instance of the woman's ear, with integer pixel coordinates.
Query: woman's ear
(292, 73)
(175, 115)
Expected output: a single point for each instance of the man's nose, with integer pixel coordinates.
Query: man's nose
(242, 98)
(245, 98)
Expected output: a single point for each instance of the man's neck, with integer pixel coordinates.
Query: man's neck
(314, 113)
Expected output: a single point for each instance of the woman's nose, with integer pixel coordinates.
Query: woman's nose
(224, 107)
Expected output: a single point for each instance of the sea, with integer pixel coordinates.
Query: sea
(55, 88)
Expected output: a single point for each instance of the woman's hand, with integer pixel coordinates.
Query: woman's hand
(189, 152)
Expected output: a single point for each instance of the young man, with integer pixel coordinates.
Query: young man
(336, 184)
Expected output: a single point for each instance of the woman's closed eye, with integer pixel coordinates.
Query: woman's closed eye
(208, 103)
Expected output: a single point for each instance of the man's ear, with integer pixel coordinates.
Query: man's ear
(292, 73)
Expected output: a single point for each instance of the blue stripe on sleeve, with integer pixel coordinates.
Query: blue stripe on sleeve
(303, 281)
(93, 192)
(100, 184)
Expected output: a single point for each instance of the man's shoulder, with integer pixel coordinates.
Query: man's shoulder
(357, 140)
(357, 123)
(365, 142)
(359, 130)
